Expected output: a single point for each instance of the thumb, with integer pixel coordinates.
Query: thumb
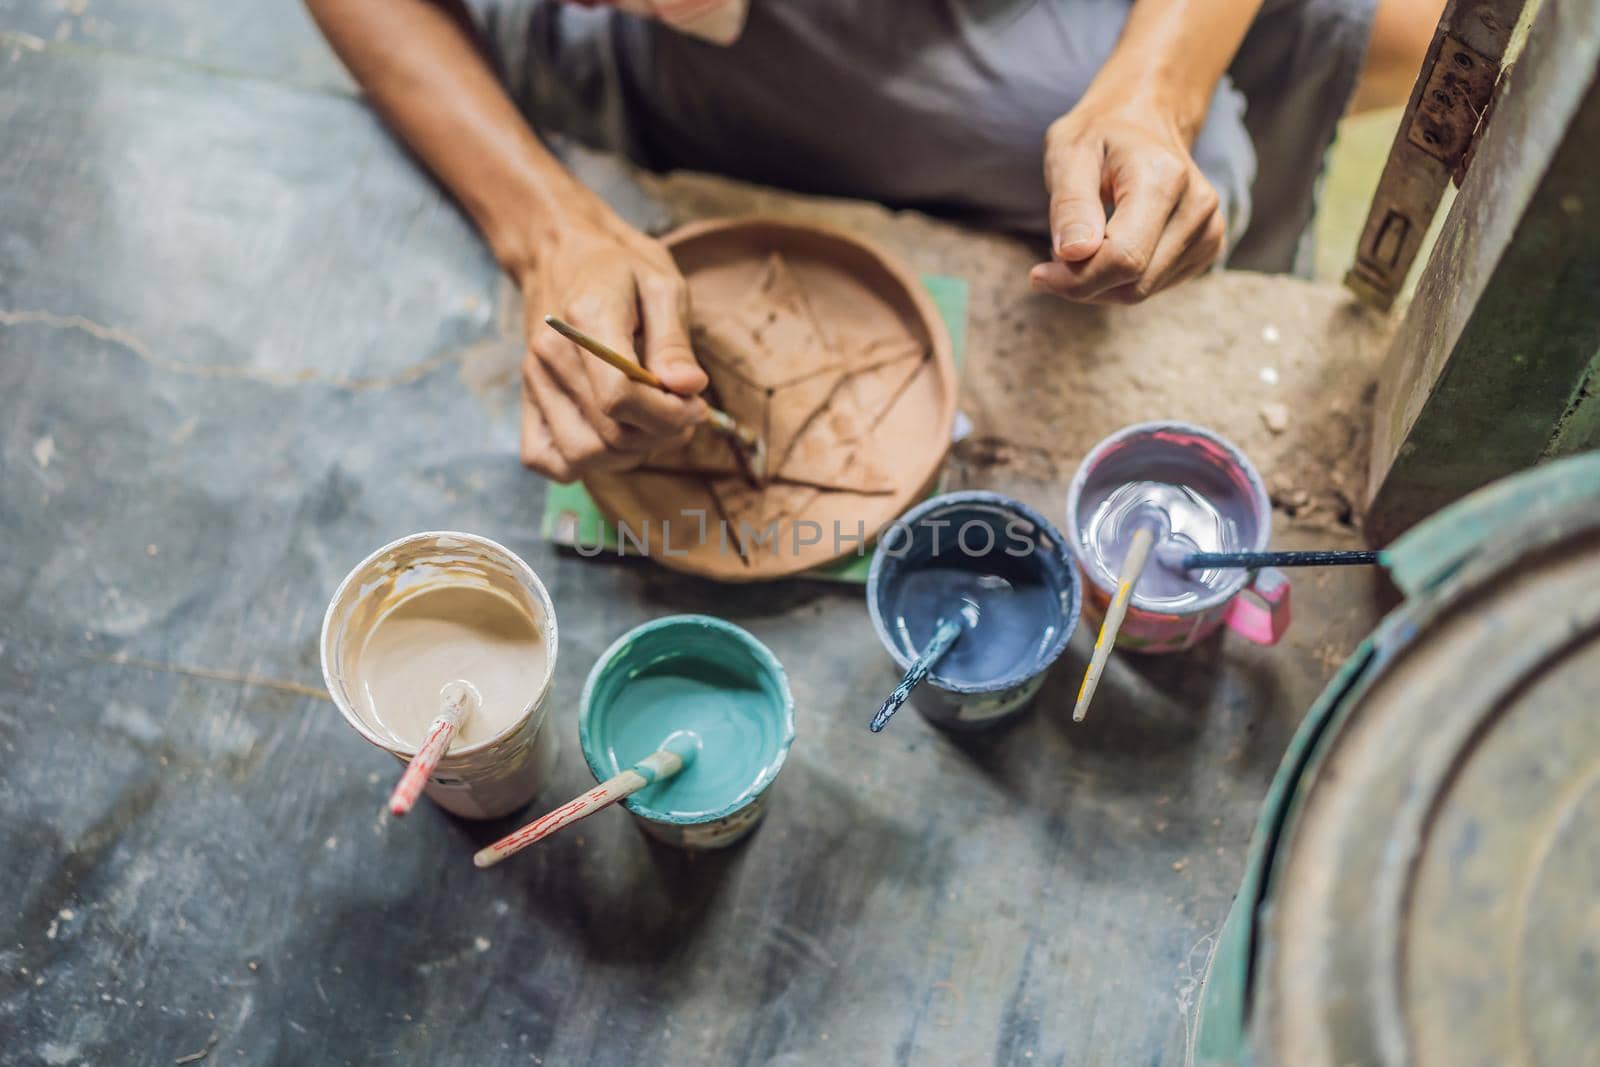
(664, 309)
(1077, 215)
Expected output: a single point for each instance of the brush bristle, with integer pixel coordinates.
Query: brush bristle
(755, 453)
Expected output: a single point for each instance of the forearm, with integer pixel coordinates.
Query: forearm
(425, 75)
(1173, 53)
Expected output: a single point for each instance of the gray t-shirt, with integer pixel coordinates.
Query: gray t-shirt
(939, 105)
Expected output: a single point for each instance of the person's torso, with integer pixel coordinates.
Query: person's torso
(941, 104)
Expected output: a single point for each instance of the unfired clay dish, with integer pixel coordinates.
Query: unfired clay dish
(835, 353)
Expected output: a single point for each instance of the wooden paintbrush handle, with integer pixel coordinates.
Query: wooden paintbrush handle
(656, 765)
(720, 421)
(460, 700)
(422, 766)
(595, 346)
(1132, 567)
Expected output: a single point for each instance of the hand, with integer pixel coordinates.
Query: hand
(1165, 226)
(578, 414)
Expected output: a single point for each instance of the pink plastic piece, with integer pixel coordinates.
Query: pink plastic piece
(1260, 613)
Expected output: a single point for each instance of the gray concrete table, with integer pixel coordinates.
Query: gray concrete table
(236, 325)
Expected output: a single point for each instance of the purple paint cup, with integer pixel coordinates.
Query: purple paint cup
(1223, 484)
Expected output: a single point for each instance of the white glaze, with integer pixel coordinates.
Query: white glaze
(441, 633)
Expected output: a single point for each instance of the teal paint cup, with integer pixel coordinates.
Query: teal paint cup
(690, 672)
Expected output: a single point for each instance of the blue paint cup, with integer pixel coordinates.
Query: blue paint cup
(993, 560)
(700, 674)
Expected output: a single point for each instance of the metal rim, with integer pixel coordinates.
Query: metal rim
(1450, 746)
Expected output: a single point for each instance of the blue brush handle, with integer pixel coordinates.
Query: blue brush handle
(1252, 560)
(944, 635)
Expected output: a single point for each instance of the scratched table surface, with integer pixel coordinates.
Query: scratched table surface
(243, 341)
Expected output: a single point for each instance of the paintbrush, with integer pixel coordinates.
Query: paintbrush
(678, 751)
(457, 701)
(944, 635)
(755, 449)
(1132, 566)
(1251, 560)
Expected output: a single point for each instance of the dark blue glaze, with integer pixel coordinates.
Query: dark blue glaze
(1014, 614)
(990, 561)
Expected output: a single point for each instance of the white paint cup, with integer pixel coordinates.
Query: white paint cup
(480, 781)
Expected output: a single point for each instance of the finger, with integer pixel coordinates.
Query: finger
(1073, 171)
(1202, 253)
(609, 312)
(1189, 271)
(1055, 278)
(611, 396)
(672, 444)
(1205, 253)
(1145, 200)
(539, 450)
(576, 439)
(1187, 229)
(627, 415)
(1192, 239)
(664, 309)
(1200, 256)
(574, 372)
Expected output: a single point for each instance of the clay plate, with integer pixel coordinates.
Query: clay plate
(856, 395)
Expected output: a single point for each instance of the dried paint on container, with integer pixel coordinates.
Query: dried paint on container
(1001, 567)
(697, 673)
(1206, 497)
(503, 755)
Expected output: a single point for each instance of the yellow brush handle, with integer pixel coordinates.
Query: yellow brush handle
(720, 420)
(599, 348)
(1132, 567)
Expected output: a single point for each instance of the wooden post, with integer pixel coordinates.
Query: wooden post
(1495, 366)
(1452, 92)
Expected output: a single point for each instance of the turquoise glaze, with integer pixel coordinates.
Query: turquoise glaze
(728, 712)
(685, 744)
(698, 674)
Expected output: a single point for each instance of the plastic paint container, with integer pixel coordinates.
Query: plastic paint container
(478, 779)
(996, 558)
(691, 672)
(1209, 476)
